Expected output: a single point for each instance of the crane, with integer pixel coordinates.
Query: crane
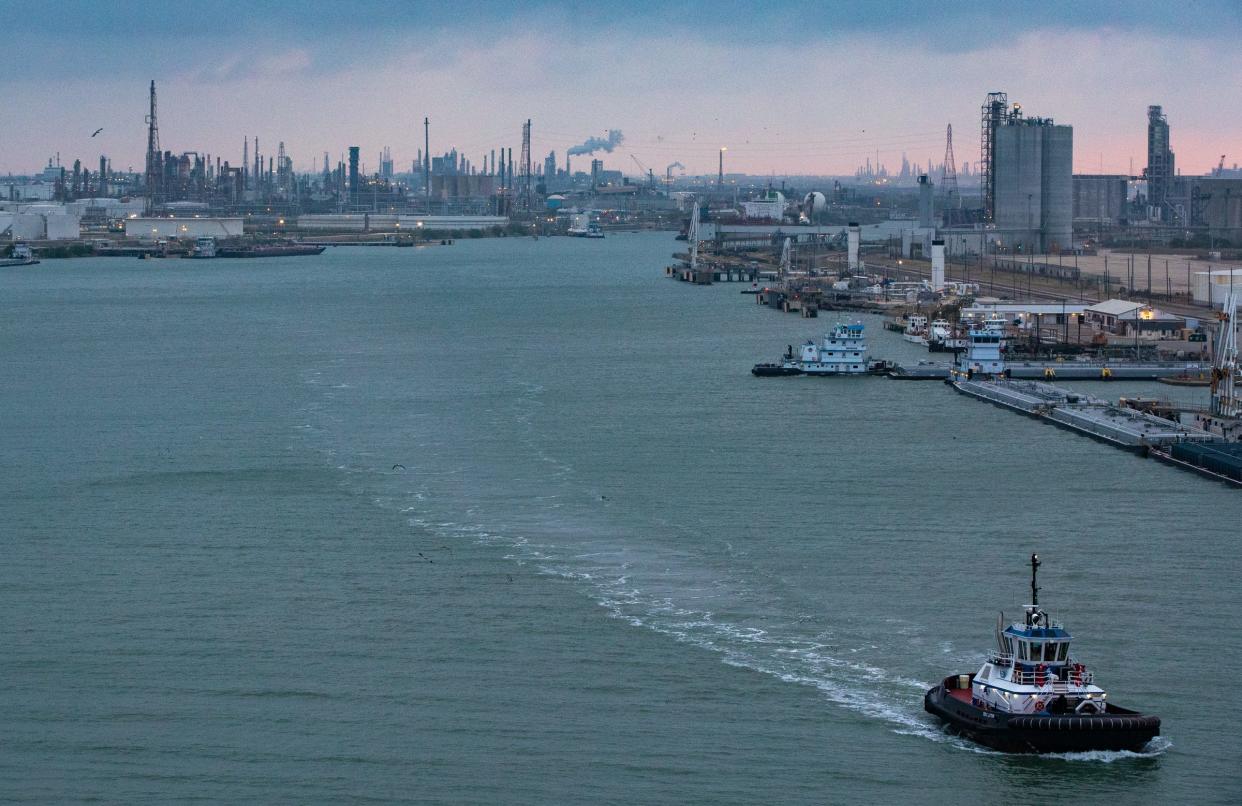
(668, 172)
(645, 169)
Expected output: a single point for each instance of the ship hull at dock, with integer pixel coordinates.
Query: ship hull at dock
(1116, 729)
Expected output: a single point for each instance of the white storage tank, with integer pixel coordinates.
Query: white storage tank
(29, 227)
(189, 228)
(62, 227)
(1212, 287)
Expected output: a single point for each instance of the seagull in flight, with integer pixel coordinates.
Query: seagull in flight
(97, 131)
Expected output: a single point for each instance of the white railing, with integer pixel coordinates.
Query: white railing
(1064, 679)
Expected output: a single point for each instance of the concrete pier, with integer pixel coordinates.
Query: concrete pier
(705, 275)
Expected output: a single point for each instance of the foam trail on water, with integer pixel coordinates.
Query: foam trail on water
(629, 587)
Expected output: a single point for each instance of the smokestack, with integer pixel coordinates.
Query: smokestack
(925, 201)
(855, 234)
(937, 278)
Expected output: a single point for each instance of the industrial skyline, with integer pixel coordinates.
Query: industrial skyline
(313, 82)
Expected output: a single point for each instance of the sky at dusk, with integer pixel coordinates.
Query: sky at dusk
(787, 87)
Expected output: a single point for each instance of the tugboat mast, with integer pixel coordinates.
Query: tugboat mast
(1034, 588)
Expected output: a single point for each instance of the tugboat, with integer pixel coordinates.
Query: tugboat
(916, 330)
(204, 248)
(842, 351)
(945, 338)
(1030, 696)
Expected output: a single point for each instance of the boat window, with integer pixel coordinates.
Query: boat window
(1064, 651)
(1050, 650)
(1022, 650)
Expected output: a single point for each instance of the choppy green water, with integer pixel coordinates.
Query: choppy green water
(613, 566)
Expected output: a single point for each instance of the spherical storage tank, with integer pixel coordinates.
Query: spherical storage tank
(815, 202)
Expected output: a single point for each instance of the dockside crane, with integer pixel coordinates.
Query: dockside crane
(668, 172)
(645, 169)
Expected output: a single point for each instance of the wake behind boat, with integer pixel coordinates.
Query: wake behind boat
(1030, 696)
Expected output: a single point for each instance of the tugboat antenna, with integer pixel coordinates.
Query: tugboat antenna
(1034, 587)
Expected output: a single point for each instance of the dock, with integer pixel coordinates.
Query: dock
(706, 275)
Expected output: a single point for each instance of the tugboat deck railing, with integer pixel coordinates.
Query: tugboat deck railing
(1049, 677)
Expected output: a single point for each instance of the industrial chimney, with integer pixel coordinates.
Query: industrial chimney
(854, 235)
(925, 201)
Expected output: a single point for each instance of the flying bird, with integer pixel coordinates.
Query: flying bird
(97, 131)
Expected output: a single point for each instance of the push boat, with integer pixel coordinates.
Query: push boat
(1030, 696)
(842, 351)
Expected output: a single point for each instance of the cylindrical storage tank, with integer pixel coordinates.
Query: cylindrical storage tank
(29, 227)
(1018, 154)
(1058, 187)
(62, 227)
(814, 203)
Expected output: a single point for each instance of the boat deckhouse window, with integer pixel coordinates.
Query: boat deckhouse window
(1064, 652)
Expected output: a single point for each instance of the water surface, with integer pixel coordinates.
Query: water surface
(510, 521)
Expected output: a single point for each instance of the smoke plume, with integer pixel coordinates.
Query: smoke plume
(593, 144)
